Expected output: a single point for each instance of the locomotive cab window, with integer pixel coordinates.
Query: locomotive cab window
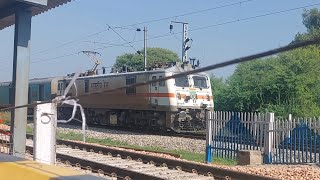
(162, 83)
(182, 81)
(154, 78)
(200, 82)
(130, 80)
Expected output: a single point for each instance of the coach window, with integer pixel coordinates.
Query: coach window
(154, 78)
(161, 83)
(41, 92)
(86, 85)
(29, 95)
(130, 80)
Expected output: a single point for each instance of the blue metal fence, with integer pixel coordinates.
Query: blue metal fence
(234, 131)
(280, 140)
(296, 141)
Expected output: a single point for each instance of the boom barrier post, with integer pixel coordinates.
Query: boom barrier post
(45, 124)
(208, 158)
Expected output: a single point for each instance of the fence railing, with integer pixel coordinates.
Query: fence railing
(296, 140)
(285, 140)
(229, 132)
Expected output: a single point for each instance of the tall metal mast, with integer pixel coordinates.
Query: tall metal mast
(145, 48)
(185, 39)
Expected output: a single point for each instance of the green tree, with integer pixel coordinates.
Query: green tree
(287, 83)
(218, 87)
(311, 20)
(154, 55)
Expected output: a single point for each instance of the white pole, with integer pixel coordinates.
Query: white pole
(145, 48)
(268, 143)
(290, 126)
(209, 119)
(45, 124)
(83, 124)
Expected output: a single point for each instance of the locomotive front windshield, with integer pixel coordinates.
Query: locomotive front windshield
(200, 82)
(182, 81)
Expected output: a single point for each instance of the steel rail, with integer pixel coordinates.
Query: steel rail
(172, 163)
(120, 172)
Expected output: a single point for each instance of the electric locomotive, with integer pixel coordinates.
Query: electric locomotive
(176, 104)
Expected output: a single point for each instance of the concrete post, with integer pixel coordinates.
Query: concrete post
(45, 124)
(268, 139)
(20, 78)
(208, 137)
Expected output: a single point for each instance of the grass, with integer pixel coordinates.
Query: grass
(187, 155)
(198, 157)
(29, 130)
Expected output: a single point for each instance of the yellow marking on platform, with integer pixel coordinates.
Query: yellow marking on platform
(24, 170)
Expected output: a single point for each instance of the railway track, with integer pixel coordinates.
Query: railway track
(189, 135)
(132, 165)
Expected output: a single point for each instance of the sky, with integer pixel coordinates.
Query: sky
(83, 25)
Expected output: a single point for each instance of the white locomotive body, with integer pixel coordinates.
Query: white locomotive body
(177, 104)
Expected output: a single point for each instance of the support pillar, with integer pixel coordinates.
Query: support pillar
(20, 78)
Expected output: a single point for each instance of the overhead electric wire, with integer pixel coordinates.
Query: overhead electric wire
(119, 27)
(70, 42)
(207, 68)
(195, 29)
(170, 34)
(106, 43)
(145, 22)
(186, 14)
(227, 22)
(257, 16)
(57, 57)
(123, 38)
(238, 20)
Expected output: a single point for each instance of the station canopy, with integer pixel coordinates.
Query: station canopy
(9, 7)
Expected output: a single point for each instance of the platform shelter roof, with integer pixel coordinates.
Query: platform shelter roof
(9, 7)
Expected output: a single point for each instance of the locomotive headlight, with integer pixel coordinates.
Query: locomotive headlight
(203, 105)
(187, 98)
(208, 97)
(178, 95)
